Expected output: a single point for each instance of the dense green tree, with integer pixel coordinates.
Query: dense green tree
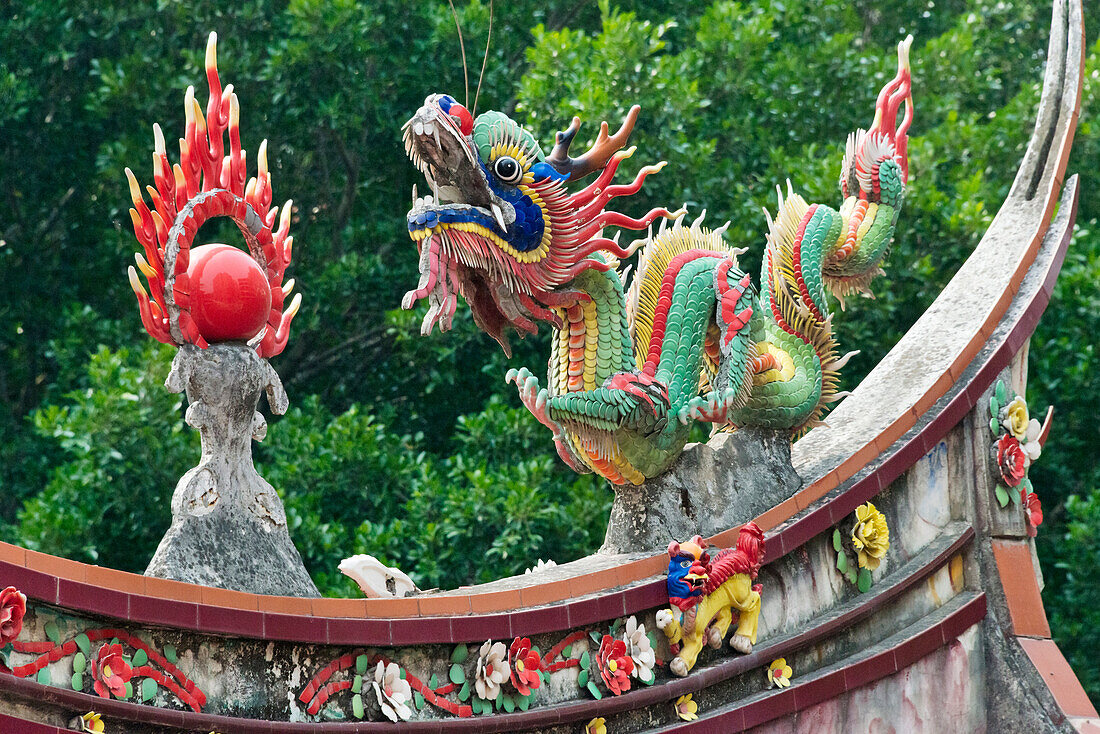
(413, 449)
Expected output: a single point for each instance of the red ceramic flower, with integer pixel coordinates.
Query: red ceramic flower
(614, 664)
(525, 664)
(1034, 510)
(1011, 460)
(13, 605)
(110, 672)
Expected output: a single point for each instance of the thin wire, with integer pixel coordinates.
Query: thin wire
(484, 59)
(462, 46)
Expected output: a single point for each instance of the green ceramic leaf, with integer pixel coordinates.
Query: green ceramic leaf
(418, 700)
(836, 540)
(148, 690)
(1002, 391)
(594, 690)
(464, 692)
(357, 706)
(403, 673)
(524, 702)
(457, 674)
(78, 681)
(585, 659)
(500, 700)
(79, 662)
(995, 427)
(1002, 496)
(596, 636)
(652, 639)
(864, 581)
(475, 704)
(433, 682)
(43, 677)
(851, 576)
(582, 679)
(361, 663)
(357, 684)
(170, 654)
(842, 562)
(140, 658)
(461, 652)
(84, 644)
(129, 690)
(1025, 483)
(1015, 495)
(53, 632)
(994, 406)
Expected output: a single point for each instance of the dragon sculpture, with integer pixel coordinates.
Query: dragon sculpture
(689, 339)
(706, 590)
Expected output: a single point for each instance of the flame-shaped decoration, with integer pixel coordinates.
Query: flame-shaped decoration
(207, 183)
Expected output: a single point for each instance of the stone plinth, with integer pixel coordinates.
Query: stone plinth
(228, 524)
(712, 487)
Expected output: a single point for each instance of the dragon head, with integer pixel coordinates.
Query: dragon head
(500, 226)
(687, 571)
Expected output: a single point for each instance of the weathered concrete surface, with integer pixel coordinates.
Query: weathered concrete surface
(228, 524)
(712, 487)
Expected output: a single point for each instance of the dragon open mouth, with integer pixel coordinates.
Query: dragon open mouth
(451, 226)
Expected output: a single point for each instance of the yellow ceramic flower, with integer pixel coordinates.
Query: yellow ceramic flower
(93, 722)
(779, 673)
(870, 536)
(686, 708)
(596, 726)
(1016, 419)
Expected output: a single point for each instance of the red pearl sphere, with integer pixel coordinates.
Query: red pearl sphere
(230, 295)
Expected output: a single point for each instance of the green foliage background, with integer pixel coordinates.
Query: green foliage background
(412, 449)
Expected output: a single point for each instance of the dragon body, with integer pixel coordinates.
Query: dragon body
(690, 339)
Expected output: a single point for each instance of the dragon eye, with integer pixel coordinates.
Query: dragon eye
(508, 170)
(685, 564)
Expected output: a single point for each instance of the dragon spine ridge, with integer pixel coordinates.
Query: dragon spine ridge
(689, 339)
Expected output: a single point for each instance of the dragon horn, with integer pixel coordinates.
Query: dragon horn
(598, 155)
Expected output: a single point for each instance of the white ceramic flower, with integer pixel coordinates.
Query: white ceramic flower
(1031, 446)
(639, 649)
(492, 670)
(393, 692)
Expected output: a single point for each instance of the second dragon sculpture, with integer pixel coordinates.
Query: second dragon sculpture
(689, 339)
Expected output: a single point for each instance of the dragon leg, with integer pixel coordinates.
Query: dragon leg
(534, 399)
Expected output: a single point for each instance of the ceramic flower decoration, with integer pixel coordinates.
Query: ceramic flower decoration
(492, 670)
(686, 708)
(779, 673)
(111, 672)
(596, 726)
(92, 722)
(1018, 441)
(13, 606)
(1033, 509)
(393, 692)
(640, 650)
(614, 664)
(1012, 461)
(525, 665)
(870, 536)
